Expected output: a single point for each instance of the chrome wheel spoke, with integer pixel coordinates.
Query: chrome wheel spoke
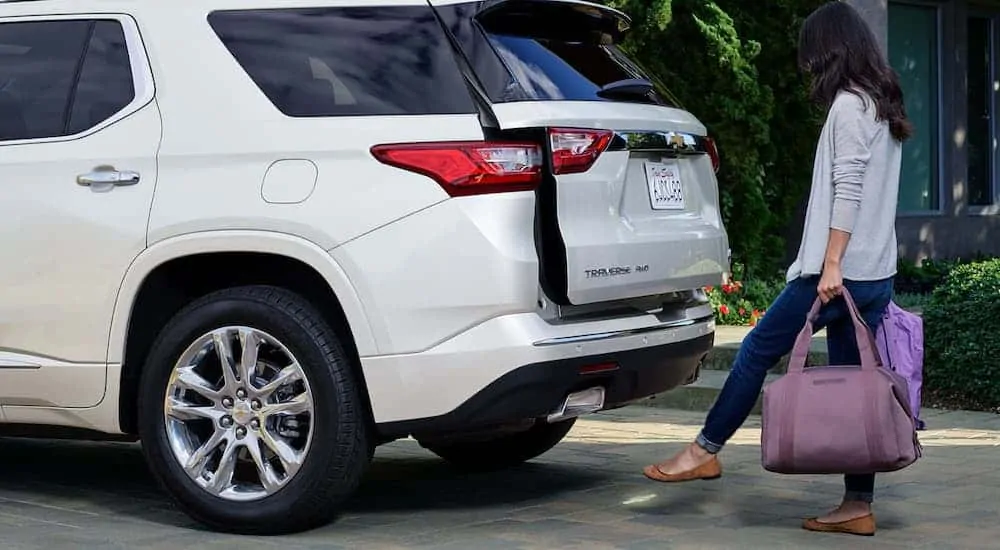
(180, 410)
(224, 349)
(268, 478)
(250, 345)
(290, 459)
(186, 378)
(287, 375)
(195, 464)
(222, 479)
(297, 405)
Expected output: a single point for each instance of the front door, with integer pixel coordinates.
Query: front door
(78, 137)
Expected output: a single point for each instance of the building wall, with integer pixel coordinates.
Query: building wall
(951, 227)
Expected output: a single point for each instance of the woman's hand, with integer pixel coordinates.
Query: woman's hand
(831, 283)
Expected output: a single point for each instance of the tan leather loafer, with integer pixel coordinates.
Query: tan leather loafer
(864, 526)
(709, 470)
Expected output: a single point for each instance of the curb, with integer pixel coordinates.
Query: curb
(722, 356)
(699, 396)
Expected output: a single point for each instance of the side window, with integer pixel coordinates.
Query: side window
(105, 86)
(38, 62)
(386, 60)
(59, 78)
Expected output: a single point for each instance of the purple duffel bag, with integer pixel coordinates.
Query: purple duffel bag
(838, 419)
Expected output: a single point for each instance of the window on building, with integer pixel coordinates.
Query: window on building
(913, 53)
(980, 90)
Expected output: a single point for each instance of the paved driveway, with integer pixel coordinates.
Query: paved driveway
(587, 494)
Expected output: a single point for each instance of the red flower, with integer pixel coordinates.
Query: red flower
(743, 311)
(709, 288)
(724, 309)
(728, 289)
(756, 313)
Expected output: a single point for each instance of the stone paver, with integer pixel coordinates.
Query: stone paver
(586, 494)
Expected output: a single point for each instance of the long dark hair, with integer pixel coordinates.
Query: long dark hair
(839, 51)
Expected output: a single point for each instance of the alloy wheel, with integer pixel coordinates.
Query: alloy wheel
(239, 413)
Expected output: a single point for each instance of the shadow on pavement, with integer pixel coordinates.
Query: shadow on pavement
(112, 479)
(419, 483)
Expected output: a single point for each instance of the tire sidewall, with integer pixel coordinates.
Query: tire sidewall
(331, 439)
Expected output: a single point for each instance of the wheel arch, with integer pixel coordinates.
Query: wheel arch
(158, 283)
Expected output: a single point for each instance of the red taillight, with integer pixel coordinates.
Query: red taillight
(469, 167)
(575, 151)
(713, 153)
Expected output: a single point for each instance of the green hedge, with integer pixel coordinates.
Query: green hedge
(931, 273)
(961, 339)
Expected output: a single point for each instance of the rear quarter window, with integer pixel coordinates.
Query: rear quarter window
(354, 61)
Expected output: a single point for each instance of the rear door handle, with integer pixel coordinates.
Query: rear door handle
(106, 176)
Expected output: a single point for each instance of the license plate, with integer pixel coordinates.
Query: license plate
(665, 189)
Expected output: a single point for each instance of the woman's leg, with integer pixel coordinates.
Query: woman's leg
(766, 344)
(859, 489)
(872, 298)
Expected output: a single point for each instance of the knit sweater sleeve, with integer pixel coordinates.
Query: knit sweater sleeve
(852, 127)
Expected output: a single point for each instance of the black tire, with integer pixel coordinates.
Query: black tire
(338, 454)
(505, 451)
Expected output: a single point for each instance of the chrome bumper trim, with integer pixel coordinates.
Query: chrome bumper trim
(594, 337)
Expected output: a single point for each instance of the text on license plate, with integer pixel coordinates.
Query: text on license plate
(665, 189)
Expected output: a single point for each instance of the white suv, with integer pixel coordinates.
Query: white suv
(265, 237)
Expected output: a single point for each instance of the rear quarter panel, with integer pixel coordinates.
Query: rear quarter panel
(220, 135)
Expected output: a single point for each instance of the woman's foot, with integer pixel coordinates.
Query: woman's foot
(852, 517)
(690, 464)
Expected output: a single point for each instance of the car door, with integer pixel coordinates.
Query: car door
(78, 137)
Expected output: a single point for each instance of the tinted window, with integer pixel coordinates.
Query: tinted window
(59, 78)
(546, 51)
(38, 63)
(493, 75)
(105, 86)
(577, 71)
(347, 61)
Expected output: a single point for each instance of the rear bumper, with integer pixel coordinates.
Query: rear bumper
(649, 360)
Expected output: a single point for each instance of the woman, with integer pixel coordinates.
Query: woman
(848, 241)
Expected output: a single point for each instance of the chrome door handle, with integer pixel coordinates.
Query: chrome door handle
(107, 176)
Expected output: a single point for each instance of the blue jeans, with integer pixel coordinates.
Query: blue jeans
(773, 338)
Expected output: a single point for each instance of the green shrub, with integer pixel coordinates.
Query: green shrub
(961, 340)
(924, 278)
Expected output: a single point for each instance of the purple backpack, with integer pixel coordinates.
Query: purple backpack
(900, 341)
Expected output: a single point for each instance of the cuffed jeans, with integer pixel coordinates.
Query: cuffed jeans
(773, 338)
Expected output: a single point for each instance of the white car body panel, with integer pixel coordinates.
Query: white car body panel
(441, 294)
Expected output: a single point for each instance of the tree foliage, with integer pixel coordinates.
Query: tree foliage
(732, 63)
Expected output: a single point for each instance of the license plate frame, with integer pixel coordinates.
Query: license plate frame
(666, 190)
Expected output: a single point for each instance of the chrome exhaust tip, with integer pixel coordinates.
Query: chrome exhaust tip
(579, 403)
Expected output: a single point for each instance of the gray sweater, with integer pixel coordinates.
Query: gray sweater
(855, 187)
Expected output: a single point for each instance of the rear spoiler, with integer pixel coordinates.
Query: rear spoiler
(531, 16)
